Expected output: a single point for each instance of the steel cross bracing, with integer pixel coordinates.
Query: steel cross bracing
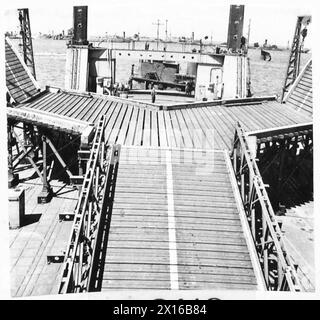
(27, 146)
(277, 267)
(25, 32)
(80, 255)
(286, 161)
(294, 59)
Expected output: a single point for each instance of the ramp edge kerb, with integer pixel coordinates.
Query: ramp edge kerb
(261, 286)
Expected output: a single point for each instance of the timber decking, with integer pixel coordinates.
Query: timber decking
(41, 235)
(175, 224)
(18, 79)
(209, 127)
(300, 97)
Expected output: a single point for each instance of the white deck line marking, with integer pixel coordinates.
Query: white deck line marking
(174, 281)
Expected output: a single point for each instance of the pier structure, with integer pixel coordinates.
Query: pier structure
(148, 196)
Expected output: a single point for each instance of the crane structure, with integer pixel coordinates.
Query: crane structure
(25, 32)
(294, 60)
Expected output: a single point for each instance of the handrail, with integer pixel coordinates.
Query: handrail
(278, 269)
(80, 251)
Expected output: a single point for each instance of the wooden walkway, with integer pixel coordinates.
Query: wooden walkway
(175, 224)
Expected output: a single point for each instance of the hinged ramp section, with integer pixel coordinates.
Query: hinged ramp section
(300, 95)
(20, 82)
(175, 224)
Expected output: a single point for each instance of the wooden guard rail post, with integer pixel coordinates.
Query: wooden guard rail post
(79, 256)
(277, 267)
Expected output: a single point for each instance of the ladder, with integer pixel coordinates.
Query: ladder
(294, 60)
(25, 32)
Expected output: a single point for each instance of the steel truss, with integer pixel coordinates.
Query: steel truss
(27, 147)
(25, 32)
(287, 164)
(278, 269)
(92, 208)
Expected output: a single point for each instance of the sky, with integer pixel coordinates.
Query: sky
(272, 20)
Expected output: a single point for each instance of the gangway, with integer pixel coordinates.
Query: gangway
(174, 224)
(204, 226)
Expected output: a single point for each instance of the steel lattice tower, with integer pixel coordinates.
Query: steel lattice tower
(25, 32)
(294, 60)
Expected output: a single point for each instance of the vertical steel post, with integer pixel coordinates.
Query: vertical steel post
(13, 179)
(25, 32)
(265, 249)
(46, 193)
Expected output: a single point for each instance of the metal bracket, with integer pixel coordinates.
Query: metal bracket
(59, 258)
(66, 216)
(76, 180)
(84, 154)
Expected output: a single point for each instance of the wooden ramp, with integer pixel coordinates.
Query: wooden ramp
(20, 83)
(175, 224)
(300, 94)
(205, 127)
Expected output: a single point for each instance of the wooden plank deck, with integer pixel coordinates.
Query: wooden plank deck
(42, 234)
(175, 224)
(202, 127)
(18, 81)
(301, 95)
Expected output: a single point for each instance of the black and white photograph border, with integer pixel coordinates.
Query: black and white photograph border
(169, 157)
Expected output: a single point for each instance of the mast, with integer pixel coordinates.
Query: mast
(249, 29)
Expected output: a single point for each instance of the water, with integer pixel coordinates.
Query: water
(267, 78)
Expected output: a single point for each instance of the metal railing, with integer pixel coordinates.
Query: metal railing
(81, 250)
(278, 269)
